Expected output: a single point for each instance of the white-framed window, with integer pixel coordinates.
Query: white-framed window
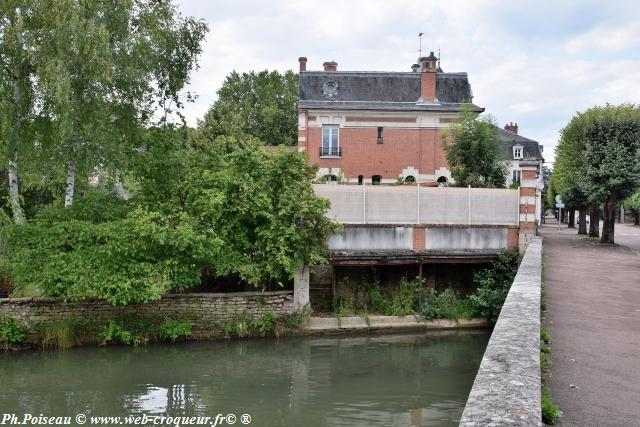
(517, 151)
(330, 141)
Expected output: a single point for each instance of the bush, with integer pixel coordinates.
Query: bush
(406, 301)
(11, 332)
(137, 256)
(174, 329)
(445, 305)
(493, 285)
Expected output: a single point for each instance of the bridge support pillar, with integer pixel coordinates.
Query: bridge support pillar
(301, 288)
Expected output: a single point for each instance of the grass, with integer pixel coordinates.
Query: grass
(62, 334)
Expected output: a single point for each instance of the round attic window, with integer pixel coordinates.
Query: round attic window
(330, 89)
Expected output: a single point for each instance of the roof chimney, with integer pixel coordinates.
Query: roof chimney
(429, 63)
(428, 68)
(303, 63)
(330, 66)
(511, 127)
(415, 68)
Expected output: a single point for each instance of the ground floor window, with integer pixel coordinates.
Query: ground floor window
(516, 175)
(410, 180)
(376, 179)
(442, 181)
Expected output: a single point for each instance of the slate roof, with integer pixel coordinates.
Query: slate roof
(370, 90)
(530, 148)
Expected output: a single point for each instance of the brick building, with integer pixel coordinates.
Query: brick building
(384, 127)
(379, 127)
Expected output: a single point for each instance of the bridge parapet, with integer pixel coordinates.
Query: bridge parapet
(414, 204)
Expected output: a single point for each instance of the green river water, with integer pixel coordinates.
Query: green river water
(416, 379)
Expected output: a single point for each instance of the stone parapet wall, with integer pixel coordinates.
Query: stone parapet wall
(506, 390)
(206, 312)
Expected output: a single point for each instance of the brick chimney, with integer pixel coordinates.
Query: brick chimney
(428, 68)
(511, 127)
(303, 63)
(330, 66)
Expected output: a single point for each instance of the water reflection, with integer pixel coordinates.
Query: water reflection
(398, 380)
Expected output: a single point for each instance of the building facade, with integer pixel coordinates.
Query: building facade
(524, 160)
(379, 127)
(364, 127)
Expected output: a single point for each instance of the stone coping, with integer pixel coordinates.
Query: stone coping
(362, 323)
(167, 296)
(426, 225)
(506, 390)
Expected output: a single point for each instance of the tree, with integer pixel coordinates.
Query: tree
(567, 171)
(632, 203)
(612, 158)
(16, 97)
(473, 153)
(104, 69)
(260, 104)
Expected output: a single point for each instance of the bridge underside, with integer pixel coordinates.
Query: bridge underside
(396, 257)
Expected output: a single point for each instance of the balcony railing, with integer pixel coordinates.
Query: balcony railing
(330, 151)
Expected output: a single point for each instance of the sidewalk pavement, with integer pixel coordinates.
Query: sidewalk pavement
(593, 314)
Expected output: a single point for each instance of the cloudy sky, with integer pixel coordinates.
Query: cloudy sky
(531, 62)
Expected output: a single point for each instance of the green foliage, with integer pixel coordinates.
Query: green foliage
(493, 285)
(550, 411)
(11, 332)
(62, 334)
(632, 203)
(598, 160)
(136, 257)
(114, 333)
(410, 298)
(445, 305)
(174, 329)
(473, 152)
(266, 325)
(406, 300)
(260, 104)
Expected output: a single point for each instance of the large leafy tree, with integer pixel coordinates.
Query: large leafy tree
(599, 160)
(222, 208)
(472, 151)
(106, 68)
(612, 158)
(260, 104)
(566, 177)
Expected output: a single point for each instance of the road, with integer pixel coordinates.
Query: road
(593, 314)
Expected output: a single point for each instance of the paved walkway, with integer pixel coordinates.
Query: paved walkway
(593, 314)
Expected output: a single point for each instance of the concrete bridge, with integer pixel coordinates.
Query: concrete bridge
(418, 227)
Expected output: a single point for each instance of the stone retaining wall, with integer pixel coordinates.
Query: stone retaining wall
(506, 390)
(205, 311)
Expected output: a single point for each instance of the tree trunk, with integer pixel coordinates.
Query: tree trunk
(636, 218)
(14, 189)
(71, 183)
(594, 220)
(582, 221)
(609, 214)
(71, 171)
(572, 218)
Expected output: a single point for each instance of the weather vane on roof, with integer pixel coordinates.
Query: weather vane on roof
(420, 49)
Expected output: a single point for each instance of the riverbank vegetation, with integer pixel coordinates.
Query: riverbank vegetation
(110, 195)
(411, 297)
